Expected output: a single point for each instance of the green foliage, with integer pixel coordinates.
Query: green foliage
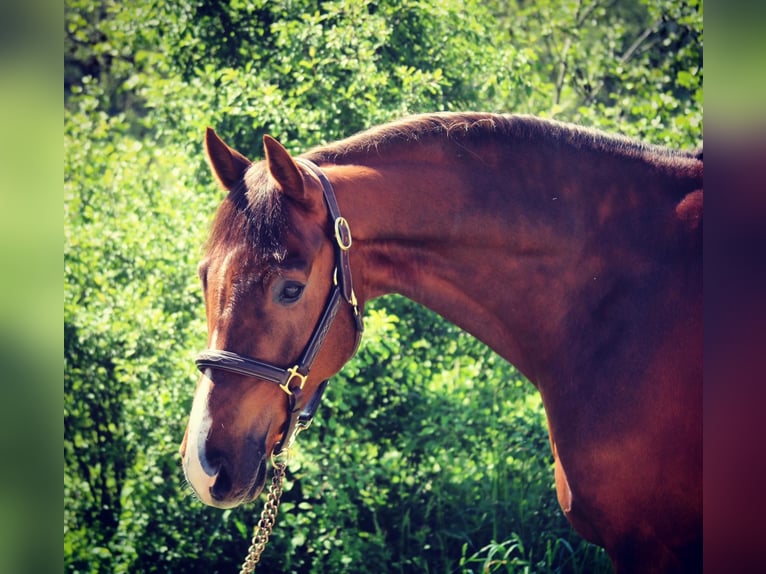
(429, 452)
(628, 67)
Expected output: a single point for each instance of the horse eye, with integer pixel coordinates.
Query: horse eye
(291, 292)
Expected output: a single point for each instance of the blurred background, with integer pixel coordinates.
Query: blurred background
(429, 453)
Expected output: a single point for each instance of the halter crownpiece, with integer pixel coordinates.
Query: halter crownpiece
(293, 379)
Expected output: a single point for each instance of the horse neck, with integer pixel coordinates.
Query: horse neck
(494, 245)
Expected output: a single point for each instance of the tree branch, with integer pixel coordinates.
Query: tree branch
(640, 40)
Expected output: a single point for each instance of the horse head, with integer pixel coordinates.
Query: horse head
(274, 274)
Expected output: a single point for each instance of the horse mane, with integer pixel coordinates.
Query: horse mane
(475, 126)
(255, 209)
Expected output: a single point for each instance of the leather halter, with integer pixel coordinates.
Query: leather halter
(293, 379)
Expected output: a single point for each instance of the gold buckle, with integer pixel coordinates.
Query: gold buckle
(293, 375)
(341, 222)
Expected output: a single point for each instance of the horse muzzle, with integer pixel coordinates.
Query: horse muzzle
(223, 467)
(223, 484)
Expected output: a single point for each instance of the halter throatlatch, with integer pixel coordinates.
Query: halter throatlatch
(293, 379)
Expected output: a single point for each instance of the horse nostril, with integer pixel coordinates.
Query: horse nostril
(222, 485)
(210, 461)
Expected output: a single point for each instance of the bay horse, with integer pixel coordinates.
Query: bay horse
(575, 255)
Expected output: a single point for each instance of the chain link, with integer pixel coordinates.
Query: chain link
(265, 525)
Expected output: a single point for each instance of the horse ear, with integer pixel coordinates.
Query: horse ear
(283, 169)
(228, 164)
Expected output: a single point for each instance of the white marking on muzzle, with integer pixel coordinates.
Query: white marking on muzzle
(199, 473)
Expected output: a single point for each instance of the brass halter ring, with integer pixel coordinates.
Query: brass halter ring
(343, 233)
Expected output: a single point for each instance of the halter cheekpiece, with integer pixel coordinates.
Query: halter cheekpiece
(293, 379)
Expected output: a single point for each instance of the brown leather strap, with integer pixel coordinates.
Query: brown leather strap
(343, 241)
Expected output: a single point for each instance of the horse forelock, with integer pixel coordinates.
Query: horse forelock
(252, 214)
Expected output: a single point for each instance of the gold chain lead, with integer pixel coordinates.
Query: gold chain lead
(265, 525)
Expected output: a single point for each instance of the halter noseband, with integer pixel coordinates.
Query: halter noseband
(292, 380)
